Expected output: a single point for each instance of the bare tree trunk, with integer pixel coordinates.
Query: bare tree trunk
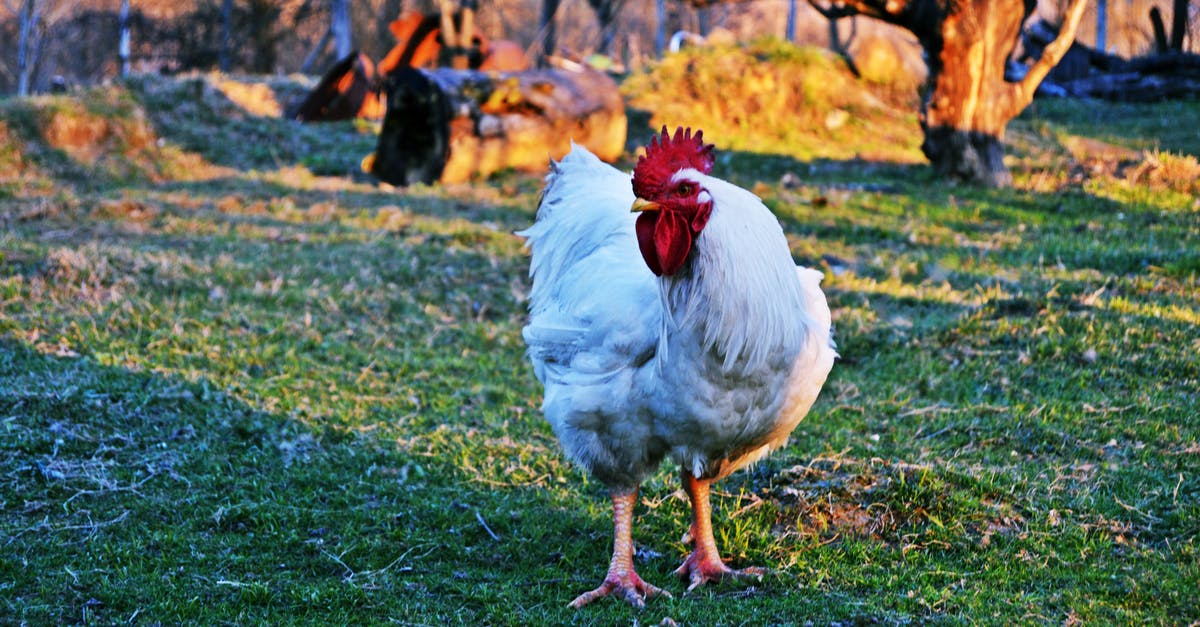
(123, 44)
(660, 27)
(226, 34)
(1101, 24)
(339, 25)
(547, 29)
(968, 102)
(1179, 24)
(790, 29)
(1161, 44)
(261, 22)
(315, 53)
(606, 14)
(27, 44)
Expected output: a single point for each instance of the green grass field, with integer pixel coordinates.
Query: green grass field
(241, 385)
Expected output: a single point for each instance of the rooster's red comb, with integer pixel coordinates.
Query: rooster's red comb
(666, 155)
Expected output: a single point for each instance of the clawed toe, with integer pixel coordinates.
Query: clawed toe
(622, 580)
(703, 564)
(699, 571)
(629, 587)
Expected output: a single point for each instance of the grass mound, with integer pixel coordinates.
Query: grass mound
(92, 137)
(18, 175)
(773, 97)
(155, 129)
(237, 122)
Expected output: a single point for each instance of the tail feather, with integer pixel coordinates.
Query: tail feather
(816, 306)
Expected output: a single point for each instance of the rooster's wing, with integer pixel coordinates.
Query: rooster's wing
(595, 318)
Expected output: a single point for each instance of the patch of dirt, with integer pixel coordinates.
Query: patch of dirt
(1091, 150)
(1094, 158)
(832, 498)
(894, 502)
(126, 209)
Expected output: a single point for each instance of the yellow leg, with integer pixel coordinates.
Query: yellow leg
(704, 563)
(621, 579)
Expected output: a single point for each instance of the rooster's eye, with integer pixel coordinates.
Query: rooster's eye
(684, 189)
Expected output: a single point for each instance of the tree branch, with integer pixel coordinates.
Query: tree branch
(1051, 55)
(833, 11)
(898, 12)
(704, 4)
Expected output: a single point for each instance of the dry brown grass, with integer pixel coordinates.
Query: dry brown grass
(100, 134)
(772, 97)
(253, 97)
(1164, 170)
(86, 135)
(19, 177)
(841, 497)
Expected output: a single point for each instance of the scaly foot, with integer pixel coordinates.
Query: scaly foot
(626, 585)
(701, 567)
(622, 580)
(704, 564)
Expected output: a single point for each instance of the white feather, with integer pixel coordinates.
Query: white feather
(713, 366)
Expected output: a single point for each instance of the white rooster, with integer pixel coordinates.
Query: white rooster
(709, 351)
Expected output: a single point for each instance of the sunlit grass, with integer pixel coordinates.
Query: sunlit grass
(288, 395)
(773, 98)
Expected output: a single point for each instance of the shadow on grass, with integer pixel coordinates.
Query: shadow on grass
(133, 493)
(198, 116)
(1135, 125)
(130, 493)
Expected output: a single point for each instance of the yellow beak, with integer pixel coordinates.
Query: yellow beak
(640, 205)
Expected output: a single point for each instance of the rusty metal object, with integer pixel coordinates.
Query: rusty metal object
(348, 90)
(354, 86)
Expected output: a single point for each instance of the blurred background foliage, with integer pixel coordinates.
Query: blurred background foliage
(78, 40)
